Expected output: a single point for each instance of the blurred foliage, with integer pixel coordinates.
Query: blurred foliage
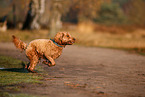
(83, 10)
(106, 11)
(110, 14)
(134, 10)
(74, 11)
(21, 8)
(120, 2)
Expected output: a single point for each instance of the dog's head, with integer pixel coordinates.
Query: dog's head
(64, 38)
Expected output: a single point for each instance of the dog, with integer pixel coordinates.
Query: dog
(48, 49)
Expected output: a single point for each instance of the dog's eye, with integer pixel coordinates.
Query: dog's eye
(67, 35)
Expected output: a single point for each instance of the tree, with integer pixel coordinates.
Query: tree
(36, 9)
(55, 17)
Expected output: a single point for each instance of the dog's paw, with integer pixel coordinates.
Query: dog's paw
(48, 63)
(32, 71)
(45, 62)
(26, 66)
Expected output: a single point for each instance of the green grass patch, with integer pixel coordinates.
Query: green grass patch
(12, 72)
(11, 77)
(6, 94)
(8, 62)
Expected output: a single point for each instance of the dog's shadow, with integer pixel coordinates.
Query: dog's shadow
(20, 70)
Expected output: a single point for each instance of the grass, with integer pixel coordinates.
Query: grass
(6, 94)
(8, 62)
(13, 75)
(12, 72)
(23, 35)
(134, 42)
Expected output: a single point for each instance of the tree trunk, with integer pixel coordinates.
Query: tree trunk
(36, 9)
(55, 18)
(14, 15)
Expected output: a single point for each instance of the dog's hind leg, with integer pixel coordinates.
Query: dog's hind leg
(27, 65)
(33, 63)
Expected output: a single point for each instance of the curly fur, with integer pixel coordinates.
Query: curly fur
(44, 48)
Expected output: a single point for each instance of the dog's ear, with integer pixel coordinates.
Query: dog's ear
(58, 37)
(62, 34)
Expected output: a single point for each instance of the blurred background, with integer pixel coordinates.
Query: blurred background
(99, 23)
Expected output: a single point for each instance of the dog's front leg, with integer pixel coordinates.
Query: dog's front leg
(51, 61)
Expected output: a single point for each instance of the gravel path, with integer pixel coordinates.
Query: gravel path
(88, 72)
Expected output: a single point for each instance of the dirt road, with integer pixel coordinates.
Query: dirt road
(88, 72)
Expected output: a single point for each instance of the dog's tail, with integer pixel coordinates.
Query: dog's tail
(19, 44)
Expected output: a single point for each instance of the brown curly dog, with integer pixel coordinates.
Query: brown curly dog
(44, 48)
